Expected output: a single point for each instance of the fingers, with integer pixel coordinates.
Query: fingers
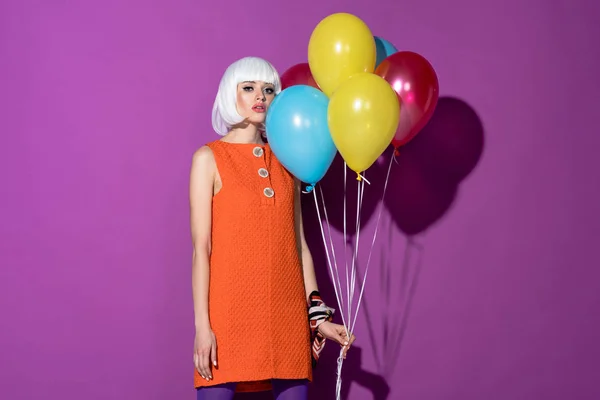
(213, 354)
(199, 364)
(352, 339)
(202, 363)
(342, 336)
(205, 365)
(347, 344)
(196, 364)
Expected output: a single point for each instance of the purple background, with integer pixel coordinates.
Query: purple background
(494, 207)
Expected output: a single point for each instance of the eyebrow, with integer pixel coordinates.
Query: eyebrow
(266, 83)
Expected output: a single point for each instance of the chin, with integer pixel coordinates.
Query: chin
(257, 120)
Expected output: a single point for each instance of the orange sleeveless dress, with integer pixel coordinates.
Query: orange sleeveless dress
(257, 301)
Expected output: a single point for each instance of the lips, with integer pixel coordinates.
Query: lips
(259, 108)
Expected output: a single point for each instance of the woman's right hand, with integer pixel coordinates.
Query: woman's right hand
(205, 352)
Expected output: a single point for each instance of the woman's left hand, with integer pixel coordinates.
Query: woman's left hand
(337, 333)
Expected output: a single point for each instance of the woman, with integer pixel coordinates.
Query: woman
(252, 276)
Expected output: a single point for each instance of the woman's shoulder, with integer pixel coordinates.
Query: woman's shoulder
(207, 150)
(203, 157)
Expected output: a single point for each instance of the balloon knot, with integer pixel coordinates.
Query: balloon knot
(361, 178)
(309, 188)
(396, 152)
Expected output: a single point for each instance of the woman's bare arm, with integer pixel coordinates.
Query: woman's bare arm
(202, 177)
(308, 268)
(202, 183)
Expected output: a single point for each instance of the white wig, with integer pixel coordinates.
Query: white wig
(224, 114)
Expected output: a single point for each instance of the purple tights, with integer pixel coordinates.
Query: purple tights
(282, 389)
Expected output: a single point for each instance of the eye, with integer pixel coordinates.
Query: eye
(248, 88)
(269, 90)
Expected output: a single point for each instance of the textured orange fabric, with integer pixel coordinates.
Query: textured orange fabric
(257, 301)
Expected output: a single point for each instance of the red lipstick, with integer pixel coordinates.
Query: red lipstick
(259, 108)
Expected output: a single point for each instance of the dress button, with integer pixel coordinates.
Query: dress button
(268, 192)
(258, 151)
(263, 173)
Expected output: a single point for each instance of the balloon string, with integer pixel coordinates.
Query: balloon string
(359, 201)
(372, 244)
(338, 385)
(340, 359)
(332, 247)
(337, 295)
(346, 237)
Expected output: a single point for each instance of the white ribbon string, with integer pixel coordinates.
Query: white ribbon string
(372, 243)
(346, 239)
(337, 274)
(329, 263)
(348, 320)
(336, 281)
(338, 384)
(359, 202)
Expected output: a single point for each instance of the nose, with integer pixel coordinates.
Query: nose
(260, 96)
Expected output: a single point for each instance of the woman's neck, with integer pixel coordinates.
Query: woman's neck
(248, 134)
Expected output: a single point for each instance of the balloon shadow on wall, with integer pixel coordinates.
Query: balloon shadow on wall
(429, 170)
(424, 180)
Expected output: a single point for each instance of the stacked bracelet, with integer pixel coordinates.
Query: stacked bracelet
(318, 313)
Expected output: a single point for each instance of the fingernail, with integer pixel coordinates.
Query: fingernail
(345, 343)
(215, 363)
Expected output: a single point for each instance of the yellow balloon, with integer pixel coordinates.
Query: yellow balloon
(363, 116)
(340, 46)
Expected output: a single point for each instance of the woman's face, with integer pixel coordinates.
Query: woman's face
(253, 100)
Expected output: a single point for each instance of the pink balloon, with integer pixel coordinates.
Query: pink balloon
(298, 74)
(416, 83)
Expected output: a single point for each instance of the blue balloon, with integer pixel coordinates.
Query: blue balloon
(298, 132)
(384, 49)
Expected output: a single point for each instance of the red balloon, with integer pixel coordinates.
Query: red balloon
(416, 83)
(298, 74)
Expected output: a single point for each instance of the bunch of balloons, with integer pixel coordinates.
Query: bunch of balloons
(357, 95)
